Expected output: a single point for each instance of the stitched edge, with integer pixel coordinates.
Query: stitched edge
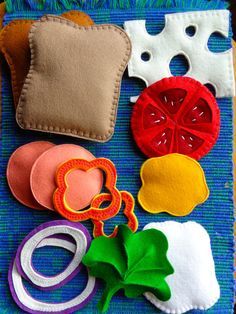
(151, 298)
(9, 59)
(210, 143)
(223, 15)
(72, 13)
(15, 87)
(207, 194)
(62, 130)
(184, 309)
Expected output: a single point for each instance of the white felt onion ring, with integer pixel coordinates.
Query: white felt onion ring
(29, 304)
(25, 252)
(58, 242)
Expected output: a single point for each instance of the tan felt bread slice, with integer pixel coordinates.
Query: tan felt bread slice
(14, 45)
(73, 85)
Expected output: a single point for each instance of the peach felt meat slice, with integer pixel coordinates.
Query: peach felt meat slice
(84, 185)
(19, 169)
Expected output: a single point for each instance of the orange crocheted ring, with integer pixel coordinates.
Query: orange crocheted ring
(129, 203)
(94, 212)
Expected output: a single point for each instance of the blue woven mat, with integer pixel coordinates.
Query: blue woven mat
(216, 215)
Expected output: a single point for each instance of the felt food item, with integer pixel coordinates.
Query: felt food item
(193, 284)
(2, 13)
(25, 252)
(19, 169)
(205, 66)
(21, 267)
(14, 44)
(83, 186)
(175, 184)
(135, 263)
(73, 214)
(67, 93)
(176, 115)
(78, 17)
(127, 198)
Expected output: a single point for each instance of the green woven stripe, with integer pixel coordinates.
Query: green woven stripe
(21, 5)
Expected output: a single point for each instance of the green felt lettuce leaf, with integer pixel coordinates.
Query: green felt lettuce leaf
(134, 262)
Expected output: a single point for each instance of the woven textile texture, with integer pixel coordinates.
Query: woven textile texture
(216, 215)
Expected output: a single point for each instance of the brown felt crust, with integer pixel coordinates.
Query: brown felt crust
(14, 45)
(61, 120)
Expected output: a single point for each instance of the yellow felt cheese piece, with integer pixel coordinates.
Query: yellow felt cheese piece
(174, 183)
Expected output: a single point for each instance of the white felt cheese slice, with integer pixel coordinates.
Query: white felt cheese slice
(193, 284)
(204, 66)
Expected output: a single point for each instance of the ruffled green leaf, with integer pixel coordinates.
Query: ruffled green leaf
(136, 263)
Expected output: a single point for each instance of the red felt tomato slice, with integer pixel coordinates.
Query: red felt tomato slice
(176, 115)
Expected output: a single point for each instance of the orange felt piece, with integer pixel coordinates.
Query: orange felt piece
(19, 169)
(127, 198)
(74, 214)
(2, 13)
(14, 45)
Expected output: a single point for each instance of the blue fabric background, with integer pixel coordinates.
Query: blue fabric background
(216, 215)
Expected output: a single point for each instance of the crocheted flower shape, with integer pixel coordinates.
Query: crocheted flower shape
(176, 115)
(129, 203)
(92, 212)
(174, 183)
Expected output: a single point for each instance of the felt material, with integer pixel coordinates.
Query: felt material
(121, 265)
(129, 203)
(2, 12)
(30, 305)
(174, 183)
(14, 44)
(19, 169)
(193, 284)
(176, 115)
(128, 160)
(82, 186)
(204, 65)
(73, 214)
(63, 70)
(21, 295)
(25, 252)
(58, 242)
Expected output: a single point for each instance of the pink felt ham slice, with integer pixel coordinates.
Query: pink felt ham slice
(82, 186)
(19, 169)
